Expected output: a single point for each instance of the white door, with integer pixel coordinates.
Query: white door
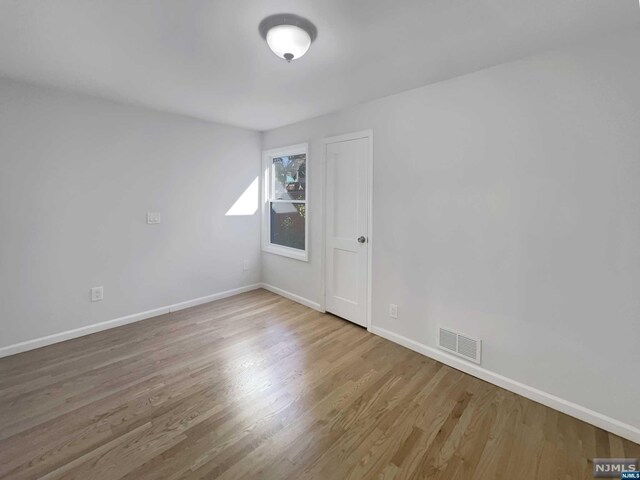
(347, 203)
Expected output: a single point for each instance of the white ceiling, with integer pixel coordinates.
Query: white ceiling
(205, 58)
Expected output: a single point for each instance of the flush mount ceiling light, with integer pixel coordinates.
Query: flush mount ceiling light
(288, 36)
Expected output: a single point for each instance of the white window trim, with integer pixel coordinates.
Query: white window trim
(267, 161)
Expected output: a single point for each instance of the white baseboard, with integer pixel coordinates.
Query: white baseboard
(578, 411)
(117, 322)
(292, 296)
(212, 298)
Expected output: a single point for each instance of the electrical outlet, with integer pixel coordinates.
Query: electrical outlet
(153, 217)
(97, 294)
(393, 310)
(245, 265)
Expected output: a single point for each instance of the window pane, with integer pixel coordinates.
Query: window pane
(289, 177)
(287, 224)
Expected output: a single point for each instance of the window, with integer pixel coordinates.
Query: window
(284, 207)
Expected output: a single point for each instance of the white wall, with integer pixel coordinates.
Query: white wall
(77, 176)
(506, 205)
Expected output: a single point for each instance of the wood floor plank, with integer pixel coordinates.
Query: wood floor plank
(256, 386)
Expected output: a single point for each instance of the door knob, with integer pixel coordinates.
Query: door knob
(362, 239)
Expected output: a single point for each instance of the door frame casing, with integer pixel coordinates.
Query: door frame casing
(368, 134)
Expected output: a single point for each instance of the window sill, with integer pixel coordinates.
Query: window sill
(294, 253)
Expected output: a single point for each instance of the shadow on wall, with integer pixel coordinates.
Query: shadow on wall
(247, 203)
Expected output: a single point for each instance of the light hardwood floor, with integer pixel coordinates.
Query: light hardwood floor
(258, 387)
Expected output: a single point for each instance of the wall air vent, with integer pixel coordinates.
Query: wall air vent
(448, 340)
(458, 344)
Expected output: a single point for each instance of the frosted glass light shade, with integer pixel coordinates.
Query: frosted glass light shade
(288, 41)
